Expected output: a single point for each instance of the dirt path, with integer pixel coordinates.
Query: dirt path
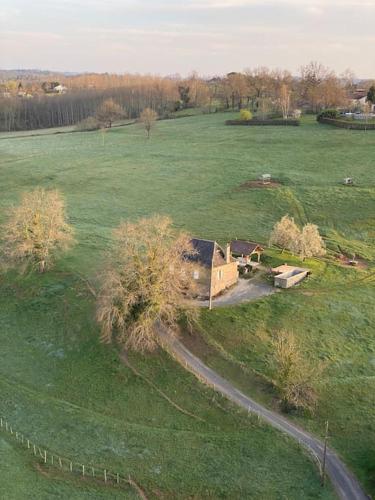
(345, 484)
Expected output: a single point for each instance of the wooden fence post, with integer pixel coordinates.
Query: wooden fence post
(105, 476)
(324, 455)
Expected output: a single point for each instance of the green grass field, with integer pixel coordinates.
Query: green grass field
(64, 389)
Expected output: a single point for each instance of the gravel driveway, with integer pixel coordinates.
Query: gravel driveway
(243, 291)
(344, 482)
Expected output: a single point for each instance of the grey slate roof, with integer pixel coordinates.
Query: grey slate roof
(206, 251)
(242, 247)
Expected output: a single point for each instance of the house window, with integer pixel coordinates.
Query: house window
(196, 275)
(220, 274)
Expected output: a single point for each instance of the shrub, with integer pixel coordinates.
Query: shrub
(88, 124)
(245, 115)
(328, 113)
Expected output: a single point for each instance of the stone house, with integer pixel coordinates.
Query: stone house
(214, 269)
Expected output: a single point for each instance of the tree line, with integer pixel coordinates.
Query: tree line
(260, 89)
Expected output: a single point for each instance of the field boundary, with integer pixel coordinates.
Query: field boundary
(56, 460)
(346, 124)
(254, 122)
(44, 131)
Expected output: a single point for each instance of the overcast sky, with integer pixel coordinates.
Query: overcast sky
(178, 36)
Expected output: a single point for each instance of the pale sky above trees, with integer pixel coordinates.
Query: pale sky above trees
(169, 36)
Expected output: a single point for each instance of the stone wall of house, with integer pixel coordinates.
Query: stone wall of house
(223, 277)
(201, 277)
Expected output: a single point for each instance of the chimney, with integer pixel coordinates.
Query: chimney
(227, 253)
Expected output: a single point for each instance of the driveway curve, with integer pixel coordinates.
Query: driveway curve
(346, 485)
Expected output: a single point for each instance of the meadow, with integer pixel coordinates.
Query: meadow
(68, 391)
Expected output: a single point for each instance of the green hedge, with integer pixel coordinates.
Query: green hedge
(328, 113)
(253, 122)
(347, 124)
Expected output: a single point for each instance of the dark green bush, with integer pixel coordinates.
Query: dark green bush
(328, 113)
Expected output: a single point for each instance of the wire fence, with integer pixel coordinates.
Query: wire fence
(56, 460)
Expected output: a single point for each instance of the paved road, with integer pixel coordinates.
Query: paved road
(345, 484)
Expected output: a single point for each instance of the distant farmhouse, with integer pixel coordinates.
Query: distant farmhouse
(215, 268)
(359, 99)
(60, 89)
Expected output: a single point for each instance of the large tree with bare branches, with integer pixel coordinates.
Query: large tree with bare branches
(36, 231)
(145, 284)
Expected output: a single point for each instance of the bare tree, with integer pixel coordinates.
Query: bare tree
(293, 375)
(36, 231)
(286, 234)
(320, 87)
(284, 100)
(109, 111)
(311, 243)
(148, 118)
(145, 284)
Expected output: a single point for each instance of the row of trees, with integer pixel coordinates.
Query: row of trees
(75, 106)
(110, 111)
(260, 89)
(305, 242)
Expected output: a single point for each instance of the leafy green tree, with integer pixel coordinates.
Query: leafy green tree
(371, 94)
